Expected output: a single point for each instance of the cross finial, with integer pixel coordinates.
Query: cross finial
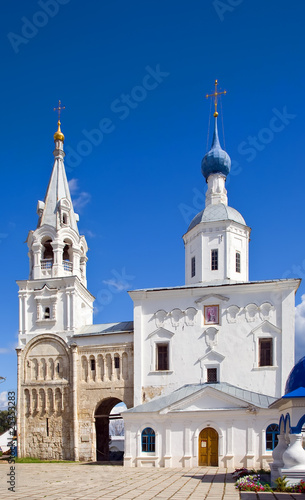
(215, 95)
(59, 108)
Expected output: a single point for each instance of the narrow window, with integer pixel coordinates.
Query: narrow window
(271, 436)
(237, 262)
(265, 352)
(47, 427)
(46, 313)
(148, 440)
(193, 267)
(162, 357)
(57, 368)
(211, 375)
(116, 362)
(214, 260)
(64, 218)
(92, 362)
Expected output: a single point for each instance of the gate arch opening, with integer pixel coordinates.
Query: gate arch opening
(101, 416)
(208, 447)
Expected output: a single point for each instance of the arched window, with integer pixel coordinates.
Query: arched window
(66, 253)
(148, 439)
(271, 436)
(48, 250)
(67, 256)
(47, 255)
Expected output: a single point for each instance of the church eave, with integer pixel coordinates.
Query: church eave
(292, 283)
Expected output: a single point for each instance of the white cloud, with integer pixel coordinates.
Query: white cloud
(3, 400)
(81, 201)
(73, 186)
(300, 330)
(89, 233)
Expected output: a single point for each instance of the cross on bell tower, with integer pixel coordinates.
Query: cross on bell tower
(215, 95)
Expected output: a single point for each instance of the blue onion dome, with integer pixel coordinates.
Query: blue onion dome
(296, 377)
(216, 161)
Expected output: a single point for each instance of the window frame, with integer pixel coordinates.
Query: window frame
(159, 345)
(237, 262)
(215, 371)
(214, 259)
(274, 439)
(148, 440)
(193, 267)
(262, 362)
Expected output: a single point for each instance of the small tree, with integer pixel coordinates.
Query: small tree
(5, 423)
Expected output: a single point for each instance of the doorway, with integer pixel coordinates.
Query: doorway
(208, 447)
(103, 439)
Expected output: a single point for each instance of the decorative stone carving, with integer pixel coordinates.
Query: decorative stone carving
(189, 316)
(232, 313)
(160, 317)
(251, 312)
(175, 316)
(211, 337)
(294, 460)
(265, 310)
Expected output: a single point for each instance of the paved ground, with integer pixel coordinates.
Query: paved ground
(96, 482)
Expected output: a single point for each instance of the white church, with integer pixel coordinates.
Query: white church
(202, 368)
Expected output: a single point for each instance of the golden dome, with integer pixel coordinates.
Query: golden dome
(59, 136)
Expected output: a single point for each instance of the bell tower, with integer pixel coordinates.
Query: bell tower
(55, 298)
(217, 239)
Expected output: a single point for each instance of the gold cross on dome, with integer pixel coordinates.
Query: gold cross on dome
(215, 95)
(59, 108)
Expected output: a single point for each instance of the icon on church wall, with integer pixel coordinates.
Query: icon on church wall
(211, 315)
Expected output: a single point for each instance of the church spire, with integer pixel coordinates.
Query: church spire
(57, 209)
(56, 247)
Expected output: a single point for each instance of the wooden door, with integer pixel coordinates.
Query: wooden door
(208, 447)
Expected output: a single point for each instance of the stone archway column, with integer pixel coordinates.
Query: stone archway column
(74, 401)
(294, 460)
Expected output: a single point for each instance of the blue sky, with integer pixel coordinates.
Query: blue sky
(133, 77)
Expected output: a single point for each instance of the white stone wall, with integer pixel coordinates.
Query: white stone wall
(227, 237)
(241, 438)
(246, 314)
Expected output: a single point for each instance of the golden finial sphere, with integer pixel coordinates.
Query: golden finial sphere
(59, 136)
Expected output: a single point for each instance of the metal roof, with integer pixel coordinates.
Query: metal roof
(160, 403)
(105, 329)
(214, 213)
(216, 284)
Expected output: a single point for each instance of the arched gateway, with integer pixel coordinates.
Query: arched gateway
(101, 416)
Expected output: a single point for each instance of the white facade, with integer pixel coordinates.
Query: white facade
(197, 369)
(213, 354)
(247, 313)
